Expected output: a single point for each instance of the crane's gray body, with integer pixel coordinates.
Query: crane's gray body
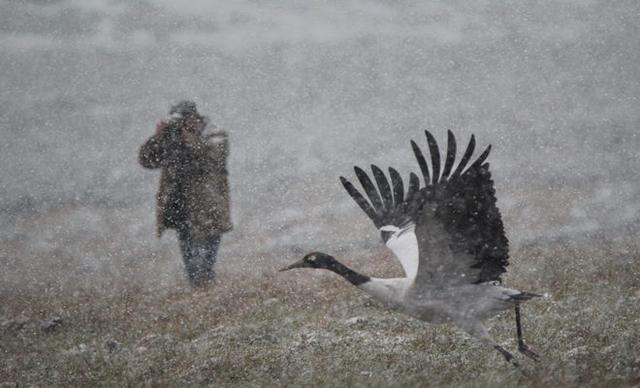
(441, 304)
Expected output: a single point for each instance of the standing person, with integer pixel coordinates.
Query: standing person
(193, 197)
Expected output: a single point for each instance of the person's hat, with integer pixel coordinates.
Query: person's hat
(184, 108)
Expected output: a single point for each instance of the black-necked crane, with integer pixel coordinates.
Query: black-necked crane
(449, 238)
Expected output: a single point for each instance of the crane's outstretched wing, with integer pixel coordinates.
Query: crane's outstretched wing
(392, 209)
(459, 229)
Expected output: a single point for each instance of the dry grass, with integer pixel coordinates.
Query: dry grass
(313, 329)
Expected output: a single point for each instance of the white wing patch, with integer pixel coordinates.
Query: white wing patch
(404, 244)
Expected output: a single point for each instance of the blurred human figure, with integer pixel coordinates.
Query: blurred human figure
(193, 197)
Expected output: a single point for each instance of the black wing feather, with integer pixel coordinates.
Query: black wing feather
(392, 208)
(383, 187)
(451, 155)
(413, 194)
(414, 187)
(435, 157)
(421, 161)
(360, 200)
(481, 158)
(369, 188)
(466, 157)
(398, 185)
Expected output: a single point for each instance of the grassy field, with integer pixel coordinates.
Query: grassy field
(312, 329)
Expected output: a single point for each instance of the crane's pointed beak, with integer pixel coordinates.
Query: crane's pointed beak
(298, 264)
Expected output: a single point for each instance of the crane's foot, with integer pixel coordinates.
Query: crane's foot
(507, 356)
(527, 351)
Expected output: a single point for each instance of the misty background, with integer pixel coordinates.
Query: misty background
(306, 91)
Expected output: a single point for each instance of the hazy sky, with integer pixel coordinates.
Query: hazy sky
(308, 89)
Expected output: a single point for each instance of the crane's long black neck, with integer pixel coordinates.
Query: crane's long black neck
(350, 275)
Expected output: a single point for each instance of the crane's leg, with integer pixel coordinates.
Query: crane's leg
(477, 330)
(522, 346)
(507, 356)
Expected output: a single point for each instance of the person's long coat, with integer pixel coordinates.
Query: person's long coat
(194, 188)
